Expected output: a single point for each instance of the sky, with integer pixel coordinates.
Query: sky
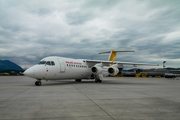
(34, 29)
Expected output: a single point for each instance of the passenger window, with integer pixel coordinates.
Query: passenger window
(52, 63)
(48, 63)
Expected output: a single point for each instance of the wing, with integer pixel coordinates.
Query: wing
(117, 62)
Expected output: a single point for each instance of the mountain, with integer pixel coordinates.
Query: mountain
(8, 65)
(172, 68)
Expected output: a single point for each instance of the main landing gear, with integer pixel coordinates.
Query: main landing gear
(78, 80)
(38, 82)
(98, 80)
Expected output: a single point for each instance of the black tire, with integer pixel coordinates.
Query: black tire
(96, 80)
(39, 83)
(78, 80)
(36, 83)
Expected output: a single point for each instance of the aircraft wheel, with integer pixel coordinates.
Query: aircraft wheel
(98, 80)
(36, 83)
(39, 83)
(78, 80)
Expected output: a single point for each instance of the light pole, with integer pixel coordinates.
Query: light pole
(164, 64)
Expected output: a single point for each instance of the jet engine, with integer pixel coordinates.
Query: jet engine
(105, 70)
(113, 71)
(96, 70)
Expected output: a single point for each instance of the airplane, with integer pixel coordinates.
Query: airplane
(61, 68)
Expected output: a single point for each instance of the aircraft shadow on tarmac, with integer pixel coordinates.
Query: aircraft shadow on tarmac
(56, 83)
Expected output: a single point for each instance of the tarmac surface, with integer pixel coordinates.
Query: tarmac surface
(117, 98)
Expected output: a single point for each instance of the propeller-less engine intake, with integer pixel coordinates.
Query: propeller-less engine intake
(113, 71)
(105, 70)
(96, 70)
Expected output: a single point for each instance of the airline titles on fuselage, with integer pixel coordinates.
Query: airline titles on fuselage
(75, 64)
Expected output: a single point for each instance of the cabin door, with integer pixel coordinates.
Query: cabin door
(62, 65)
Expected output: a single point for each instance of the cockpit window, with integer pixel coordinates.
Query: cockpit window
(41, 62)
(52, 63)
(48, 63)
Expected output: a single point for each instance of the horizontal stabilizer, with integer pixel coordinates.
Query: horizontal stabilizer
(117, 51)
(112, 55)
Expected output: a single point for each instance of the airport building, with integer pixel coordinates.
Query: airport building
(150, 72)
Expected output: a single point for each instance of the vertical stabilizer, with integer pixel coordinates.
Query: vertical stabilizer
(112, 56)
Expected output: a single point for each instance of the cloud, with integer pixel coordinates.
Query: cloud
(31, 30)
(172, 37)
(76, 18)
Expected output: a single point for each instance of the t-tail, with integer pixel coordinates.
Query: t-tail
(112, 56)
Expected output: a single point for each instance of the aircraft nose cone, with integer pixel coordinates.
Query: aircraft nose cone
(24, 73)
(28, 72)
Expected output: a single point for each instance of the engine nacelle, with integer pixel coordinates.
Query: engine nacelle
(113, 71)
(105, 71)
(96, 70)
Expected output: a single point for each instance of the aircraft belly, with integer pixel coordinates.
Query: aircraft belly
(74, 74)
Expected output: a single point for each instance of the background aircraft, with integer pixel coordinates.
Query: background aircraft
(60, 68)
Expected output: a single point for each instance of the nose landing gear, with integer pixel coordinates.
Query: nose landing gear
(38, 82)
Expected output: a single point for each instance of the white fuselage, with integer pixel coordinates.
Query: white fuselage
(60, 68)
